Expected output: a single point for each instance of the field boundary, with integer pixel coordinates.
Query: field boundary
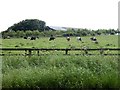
(28, 51)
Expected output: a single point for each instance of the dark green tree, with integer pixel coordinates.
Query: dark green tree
(28, 24)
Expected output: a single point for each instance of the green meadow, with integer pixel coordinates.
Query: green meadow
(60, 71)
(105, 41)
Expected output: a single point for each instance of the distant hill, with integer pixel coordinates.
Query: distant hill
(28, 24)
(35, 24)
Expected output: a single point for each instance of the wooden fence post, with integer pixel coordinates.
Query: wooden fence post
(38, 52)
(86, 52)
(66, 51)
(101, 51)
(30, 52)
(25, 52)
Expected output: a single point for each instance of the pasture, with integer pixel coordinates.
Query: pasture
(60, 71)
(105, 41)
(109, 41)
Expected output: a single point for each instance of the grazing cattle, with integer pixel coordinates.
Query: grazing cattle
(51, 38)
(37, 37)
(29, 37)
(68, 38)
(25, 37)
(6, 37)
(94, 40)
(33, 38)
(79, 38)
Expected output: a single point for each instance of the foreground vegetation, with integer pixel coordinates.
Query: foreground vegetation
(60, 72)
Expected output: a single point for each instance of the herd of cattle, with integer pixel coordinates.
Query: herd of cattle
(31, 38)
(94, 39)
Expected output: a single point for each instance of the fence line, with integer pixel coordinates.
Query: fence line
(29, 50)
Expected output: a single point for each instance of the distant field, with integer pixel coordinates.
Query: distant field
(108, 41)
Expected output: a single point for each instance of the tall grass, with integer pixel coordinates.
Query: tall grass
(60, 72)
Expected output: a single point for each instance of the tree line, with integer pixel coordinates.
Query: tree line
(38, 28)
(58, 33)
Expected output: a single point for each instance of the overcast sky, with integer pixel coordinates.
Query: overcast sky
(91, 14)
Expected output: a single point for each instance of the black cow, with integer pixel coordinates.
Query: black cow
(25, 37)
(94, 40)
(51, 38)
(33, 38)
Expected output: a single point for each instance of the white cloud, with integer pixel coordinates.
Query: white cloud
(92, 14)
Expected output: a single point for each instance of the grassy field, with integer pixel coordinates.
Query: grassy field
(109, 41)
(60, 71)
